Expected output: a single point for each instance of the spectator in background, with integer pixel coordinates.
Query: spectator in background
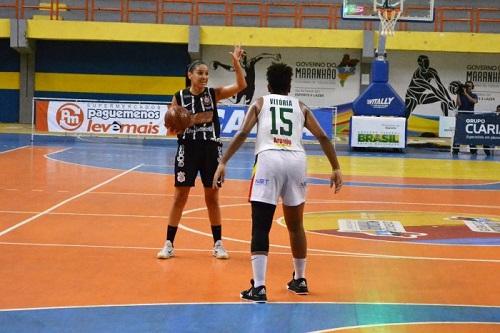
(466, 100)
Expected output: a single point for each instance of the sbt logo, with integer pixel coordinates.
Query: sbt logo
(391, 138)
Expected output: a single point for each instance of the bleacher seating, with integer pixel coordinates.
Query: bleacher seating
(450, 15)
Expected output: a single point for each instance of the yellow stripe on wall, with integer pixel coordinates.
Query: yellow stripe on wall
(9, 80)
(108, 31)
(281, 37)
(251, 36)
(4, 28)
(444, 42)
(111, 84)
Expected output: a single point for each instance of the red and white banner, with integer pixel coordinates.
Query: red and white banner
(94, 117)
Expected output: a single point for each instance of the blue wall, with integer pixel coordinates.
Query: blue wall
(9, 98)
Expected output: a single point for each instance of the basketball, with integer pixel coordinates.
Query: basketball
(177, 118)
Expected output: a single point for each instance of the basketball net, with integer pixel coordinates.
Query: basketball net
(388, 18)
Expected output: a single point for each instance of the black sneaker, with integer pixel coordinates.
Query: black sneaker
(257, 295)
(298, 286)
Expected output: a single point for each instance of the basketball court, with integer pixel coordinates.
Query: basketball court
(410, 244)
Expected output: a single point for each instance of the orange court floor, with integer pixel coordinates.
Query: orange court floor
(410, 244)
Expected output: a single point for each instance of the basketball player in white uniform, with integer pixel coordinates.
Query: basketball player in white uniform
(280, 171)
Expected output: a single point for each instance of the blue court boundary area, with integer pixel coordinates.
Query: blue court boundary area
(157, 156)
(236, 317)
(13, 140)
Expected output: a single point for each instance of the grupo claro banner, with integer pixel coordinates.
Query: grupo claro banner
(378, 132)
(477, 129)
(120, 118)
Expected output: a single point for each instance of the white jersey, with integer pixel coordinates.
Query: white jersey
(280, 124)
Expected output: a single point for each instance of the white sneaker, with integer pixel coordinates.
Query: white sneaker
(219, 251)
(167, 251)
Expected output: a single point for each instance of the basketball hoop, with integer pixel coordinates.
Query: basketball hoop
(388, 18)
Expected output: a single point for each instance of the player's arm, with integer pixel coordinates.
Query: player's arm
(201, 118)
(239, 84)
(312, 125)
(197, 118)
(240, 137)
(471, 98)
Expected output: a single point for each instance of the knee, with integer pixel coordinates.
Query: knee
(260, 241)
(180, 197)
(211, 199)
(262, 219)
(295, 227)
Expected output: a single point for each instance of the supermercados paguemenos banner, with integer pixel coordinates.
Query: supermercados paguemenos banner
(101, 117)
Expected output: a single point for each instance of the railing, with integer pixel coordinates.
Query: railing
(230, 13)
(454, 14)
(486, 16)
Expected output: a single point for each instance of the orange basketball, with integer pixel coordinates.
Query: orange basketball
(177, 118)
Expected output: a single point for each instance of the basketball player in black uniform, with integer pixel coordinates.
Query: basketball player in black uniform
(199, 148)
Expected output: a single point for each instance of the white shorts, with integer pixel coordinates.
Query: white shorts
(279, 173)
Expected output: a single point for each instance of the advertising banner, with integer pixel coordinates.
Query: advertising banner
(321, 77)
(96, 117)
(427, 81)
(446, 127)
(477, 129)
(231, 117)
(378, 132)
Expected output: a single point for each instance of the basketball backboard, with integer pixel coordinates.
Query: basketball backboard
(411, 10)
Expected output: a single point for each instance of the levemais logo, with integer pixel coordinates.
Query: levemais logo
(69, 116)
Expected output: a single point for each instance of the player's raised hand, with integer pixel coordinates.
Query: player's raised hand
(237, 53)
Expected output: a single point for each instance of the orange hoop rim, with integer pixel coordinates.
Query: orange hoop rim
(388, 13)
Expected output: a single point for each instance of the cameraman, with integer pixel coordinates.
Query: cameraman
(466, 100)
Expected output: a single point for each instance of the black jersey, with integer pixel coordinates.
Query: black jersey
(203, 102)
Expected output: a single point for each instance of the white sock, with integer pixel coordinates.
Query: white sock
(259, 266)
(299, 265)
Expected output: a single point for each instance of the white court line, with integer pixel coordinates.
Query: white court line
(28, 220)
(321, 253)
(13, 149)
(409, 323)
(249, 304)
(165, 217)
(316, 201)
(356, 254)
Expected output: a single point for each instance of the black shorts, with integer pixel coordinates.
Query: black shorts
(192, 158)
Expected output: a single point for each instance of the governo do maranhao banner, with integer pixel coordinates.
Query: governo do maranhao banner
(137, 118)
(331, 77)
